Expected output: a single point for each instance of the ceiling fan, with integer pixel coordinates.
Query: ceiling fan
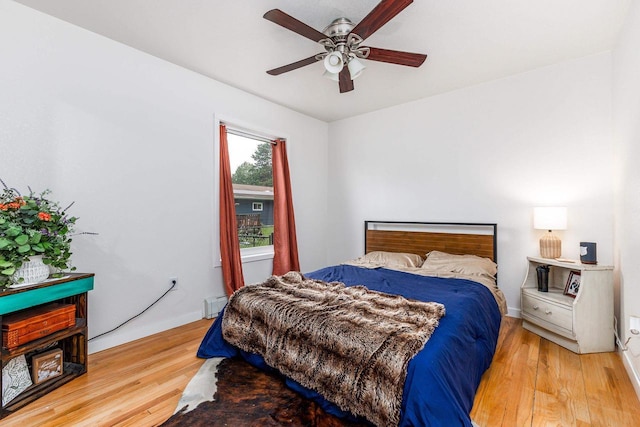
(342, 43)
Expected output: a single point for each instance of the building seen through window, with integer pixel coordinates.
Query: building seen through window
(252, 178)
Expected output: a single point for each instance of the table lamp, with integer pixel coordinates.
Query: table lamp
(550, 218)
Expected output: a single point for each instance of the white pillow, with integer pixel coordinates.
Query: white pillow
(462, 264)
(397, 259)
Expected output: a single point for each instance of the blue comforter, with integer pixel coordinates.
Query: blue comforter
(443, 377)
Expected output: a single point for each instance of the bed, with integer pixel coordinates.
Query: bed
(456, 281)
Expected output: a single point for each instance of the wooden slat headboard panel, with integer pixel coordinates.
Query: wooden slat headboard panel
(422, 242)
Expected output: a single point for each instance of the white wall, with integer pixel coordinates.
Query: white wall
(487, 153)
(626, 113)
(130, 139)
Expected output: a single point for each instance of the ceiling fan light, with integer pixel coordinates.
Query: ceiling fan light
(333, 62)
(356, 67)
(332, 76)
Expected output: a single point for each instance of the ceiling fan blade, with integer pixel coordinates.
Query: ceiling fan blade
(344, 80)
(396, 57)
(380, 15)
(293, 66)
(290, 23)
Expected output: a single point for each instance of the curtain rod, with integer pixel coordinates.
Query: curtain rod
(246, 134)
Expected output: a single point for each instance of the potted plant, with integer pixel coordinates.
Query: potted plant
(32, 226)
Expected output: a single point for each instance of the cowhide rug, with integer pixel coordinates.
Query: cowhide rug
(230, 392)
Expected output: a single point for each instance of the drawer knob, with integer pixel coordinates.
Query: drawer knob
(535, 307)
(547, 312)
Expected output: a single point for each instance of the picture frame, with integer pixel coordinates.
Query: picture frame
(573, 284)
(15, 378)
(47, 365)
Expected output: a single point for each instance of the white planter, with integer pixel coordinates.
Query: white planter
(31, 271)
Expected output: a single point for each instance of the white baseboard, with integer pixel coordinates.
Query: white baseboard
(513, 312)
(633, 375)
(118, 338)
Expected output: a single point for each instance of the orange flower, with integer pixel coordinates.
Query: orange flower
(3, 207)
(44, 216)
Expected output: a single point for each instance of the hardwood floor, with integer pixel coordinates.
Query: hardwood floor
(534, 382)
(136, 384)
(531, 382)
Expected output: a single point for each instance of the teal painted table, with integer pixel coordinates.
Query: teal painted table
(71, 289)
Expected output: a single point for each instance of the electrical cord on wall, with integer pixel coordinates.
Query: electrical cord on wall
(623, 347)
(173, 285)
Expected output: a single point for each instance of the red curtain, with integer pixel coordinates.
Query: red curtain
(285, 245)
(229, 244)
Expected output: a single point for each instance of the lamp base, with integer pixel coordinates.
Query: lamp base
(550, 246)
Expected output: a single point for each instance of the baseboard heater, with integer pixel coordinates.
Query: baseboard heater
(213, 306)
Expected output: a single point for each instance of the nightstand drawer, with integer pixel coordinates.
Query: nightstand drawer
(555, 314)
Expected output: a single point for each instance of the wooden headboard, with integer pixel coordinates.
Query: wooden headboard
(422, 237)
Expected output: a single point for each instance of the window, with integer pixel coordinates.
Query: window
(252, 177)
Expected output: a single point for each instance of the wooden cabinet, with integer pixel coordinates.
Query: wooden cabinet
(72, 341)
(584, 323)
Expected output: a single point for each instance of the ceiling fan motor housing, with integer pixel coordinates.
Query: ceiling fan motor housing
(341, 39)
(340, 27)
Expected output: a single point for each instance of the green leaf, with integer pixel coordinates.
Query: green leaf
(22, 239)
(35, 239)
(24, 249)
(38, 248)
(13, 231)
(8, 271)
(5, 264)
(4, 243)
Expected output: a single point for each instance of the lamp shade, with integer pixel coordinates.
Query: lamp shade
(332, 76)
(355, 68)
(333, 62)
(550, 218)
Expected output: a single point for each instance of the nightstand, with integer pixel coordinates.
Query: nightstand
(582, 324)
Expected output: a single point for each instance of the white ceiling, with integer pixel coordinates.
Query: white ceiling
(467, 42)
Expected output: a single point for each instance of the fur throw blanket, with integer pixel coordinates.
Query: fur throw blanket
(350, 344)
